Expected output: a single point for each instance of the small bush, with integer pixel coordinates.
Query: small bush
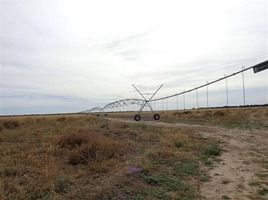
(83, 155)
(100, 150)
(62, 185)
(253, 183)
(187, 168)
(147, 165)
(8, 171)
(178, 143)
(207, 161)
(224, 197)
(170, 184)
(161, 155)
(11, 124)
(213, 150)
(204, 177)
(72, 140)
(263, 191)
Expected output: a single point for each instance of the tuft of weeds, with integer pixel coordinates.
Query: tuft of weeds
(149, 137)
(253, 183)
(207, 161)
(178, 143)
(164, 185)
(224, 197)
(261, 175)
(153, 193)
(213, 150)
(169, 183)
(161, 156)
(11, 124)
(83, 155)
(139, 197)
(151, 180)
(39, 193)
(62, 184)
(263, 191)
(99, 150)
(187, 167)
(72, 140)
(204, 178)
(8, 171)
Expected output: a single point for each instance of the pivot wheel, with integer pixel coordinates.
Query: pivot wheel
(137, 117)
(156, 116)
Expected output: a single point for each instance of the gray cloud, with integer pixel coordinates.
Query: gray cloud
(130, 47)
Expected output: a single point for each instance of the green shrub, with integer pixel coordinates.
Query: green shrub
(213, 150)
(169, 183)
(263, 191)
(187, 168)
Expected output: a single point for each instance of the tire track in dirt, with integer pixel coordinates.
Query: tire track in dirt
(244, 151)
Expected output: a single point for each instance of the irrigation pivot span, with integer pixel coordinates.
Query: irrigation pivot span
(110, 107)
(260, 65)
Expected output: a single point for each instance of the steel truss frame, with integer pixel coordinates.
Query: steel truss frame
(146, 102)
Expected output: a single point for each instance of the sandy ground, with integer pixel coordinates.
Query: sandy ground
(243, 166)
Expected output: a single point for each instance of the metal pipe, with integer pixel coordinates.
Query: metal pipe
(197, 104)
(244, 94)
(227, 96)
(209, 83)
(207, 95)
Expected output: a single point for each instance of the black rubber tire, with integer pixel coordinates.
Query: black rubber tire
(137, 117)
(156, 116)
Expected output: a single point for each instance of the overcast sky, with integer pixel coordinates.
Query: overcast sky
(68, 56)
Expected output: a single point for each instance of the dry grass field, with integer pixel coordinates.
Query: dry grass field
(199, 154)
(251, 117)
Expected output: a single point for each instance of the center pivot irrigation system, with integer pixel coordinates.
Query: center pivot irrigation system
(110, 107)
(137, 117)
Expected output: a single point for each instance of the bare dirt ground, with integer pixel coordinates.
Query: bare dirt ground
(242, 170)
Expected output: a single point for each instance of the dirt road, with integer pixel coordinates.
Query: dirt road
(242, 172)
